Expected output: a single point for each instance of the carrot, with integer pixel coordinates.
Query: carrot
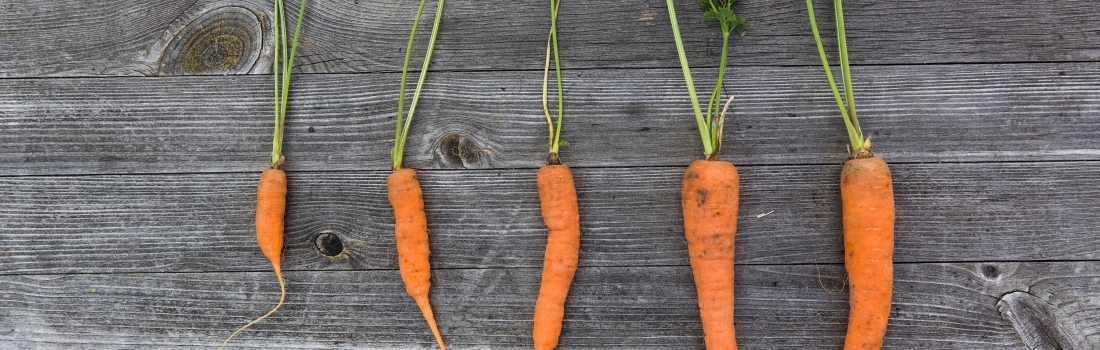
(710, 193)
(558, 196)
(868, 198)
(410, 221)
(559, 211)
(709, 199)
(270, 209)
(411, 227)
(271, 194)
(867, 195)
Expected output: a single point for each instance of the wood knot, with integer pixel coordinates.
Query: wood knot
(328, 244)
(990, 272)
(460, 151)
(225, 40)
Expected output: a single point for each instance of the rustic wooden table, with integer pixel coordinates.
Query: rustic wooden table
(132, 134)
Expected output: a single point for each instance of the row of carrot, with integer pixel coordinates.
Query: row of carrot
(709, 196)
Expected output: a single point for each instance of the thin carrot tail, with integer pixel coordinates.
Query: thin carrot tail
(282, 297)
(426, 309)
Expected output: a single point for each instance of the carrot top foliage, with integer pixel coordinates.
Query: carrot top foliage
(283, 62)
(403, 120)
(552, 47)
(847, 104)
(710, 124)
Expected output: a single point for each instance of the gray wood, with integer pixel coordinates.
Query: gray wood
(936, 306)
(490, 219)
(134, 37)
(782, 116)
(132, 133)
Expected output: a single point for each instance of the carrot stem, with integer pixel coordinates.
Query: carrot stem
(403, 125)
(845, 71)
(704, 130)
(717, 93)
(552, 48)
(847, 111)
(282, 65)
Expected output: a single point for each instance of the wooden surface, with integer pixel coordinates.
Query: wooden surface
(131, 142)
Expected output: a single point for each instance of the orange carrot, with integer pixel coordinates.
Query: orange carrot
(270, 209)
(710, 191)
(411, 227)
(559, 211)
(867, 195)
(709, 199)
(411, 224)
(271, 195)
(868, 198)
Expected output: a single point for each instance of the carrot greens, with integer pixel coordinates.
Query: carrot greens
(710, 125)
(282, 63)
(552, 43)
(403, 121)
(847, 104)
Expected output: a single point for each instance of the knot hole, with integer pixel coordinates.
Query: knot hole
(328, 244)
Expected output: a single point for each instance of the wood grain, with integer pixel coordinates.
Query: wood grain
(129, 37)
(951, 113)
(490, 219)
(936, 306)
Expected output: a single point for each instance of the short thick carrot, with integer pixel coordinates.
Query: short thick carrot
(559, 211)
(270, 209)
(868, 198)
(709, 198)
(411, 227)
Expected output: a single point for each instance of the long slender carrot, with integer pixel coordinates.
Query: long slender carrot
(868, 198)
(558, 196)
(867, 194)
(709, 199)
(710, 193)
(559, 210)
(411, 227)
(270, 209)
(271, 192)
(410, 221)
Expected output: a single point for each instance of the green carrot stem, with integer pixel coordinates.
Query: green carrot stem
(404, 79)
(704, 132)
(283, 64)
(715, 96)
(556, 142)
(855, 136)
(277, 139)
(399, 142)
(845, 72)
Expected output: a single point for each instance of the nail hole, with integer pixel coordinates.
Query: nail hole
(328, 244)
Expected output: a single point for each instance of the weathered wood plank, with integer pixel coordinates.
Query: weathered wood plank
(936, 306)
(484, 219)
(494, 120)
(134, 37)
